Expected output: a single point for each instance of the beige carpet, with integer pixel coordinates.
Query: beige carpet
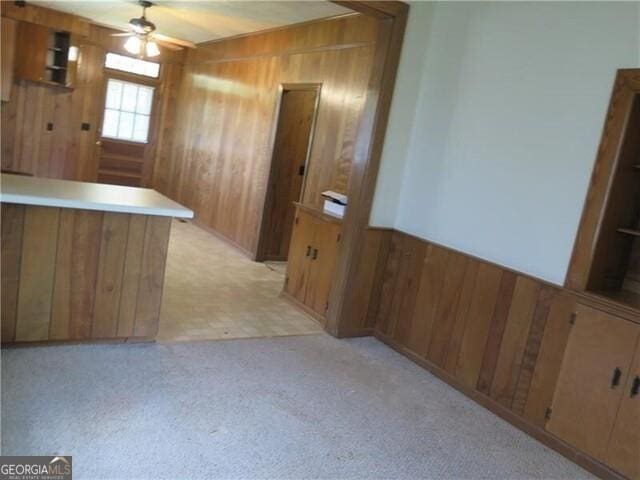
(308, 407)
(212, 291)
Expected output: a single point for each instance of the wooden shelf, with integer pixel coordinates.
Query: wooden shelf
(629, 231)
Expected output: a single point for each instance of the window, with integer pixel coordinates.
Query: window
(127, 111)
(132, 65)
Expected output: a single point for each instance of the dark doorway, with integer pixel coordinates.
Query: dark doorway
(291, 148)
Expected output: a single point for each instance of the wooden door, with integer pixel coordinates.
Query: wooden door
(121, 163)
(299, 255)
(33, 41)
(623, 453)
(323, 260)
(291, 146)
(592, 377)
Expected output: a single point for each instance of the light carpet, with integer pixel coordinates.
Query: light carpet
(288, 407)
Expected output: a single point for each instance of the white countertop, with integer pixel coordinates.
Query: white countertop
(49, 192)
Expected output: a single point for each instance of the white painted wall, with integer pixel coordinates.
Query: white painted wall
(492, 153)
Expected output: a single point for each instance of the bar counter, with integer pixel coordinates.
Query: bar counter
(82, 261)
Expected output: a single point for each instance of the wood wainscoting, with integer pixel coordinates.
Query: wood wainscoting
(497, 335)
(70, 275)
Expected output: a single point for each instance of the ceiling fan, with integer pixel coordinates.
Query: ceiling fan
(143, 39)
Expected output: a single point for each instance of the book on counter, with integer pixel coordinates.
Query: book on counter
(334, 203)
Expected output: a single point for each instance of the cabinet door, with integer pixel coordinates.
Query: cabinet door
(33, 40)
(8, 45)
(624, 447)
(299, 255)
(592, 377)
(323, 261)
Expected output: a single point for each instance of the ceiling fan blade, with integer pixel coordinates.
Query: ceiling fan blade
(129, 34)
(176, 41)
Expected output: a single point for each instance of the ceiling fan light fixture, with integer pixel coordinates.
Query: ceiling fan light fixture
(152, 49)
(133, 45)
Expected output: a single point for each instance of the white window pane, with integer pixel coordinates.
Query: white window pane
(129, 97)
(114, 93)
(132, 65)
(110, 123)
(151, 69)
(141, 128)
(144, 100)
(125, 129)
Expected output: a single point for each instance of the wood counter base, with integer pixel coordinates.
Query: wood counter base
(77, 275)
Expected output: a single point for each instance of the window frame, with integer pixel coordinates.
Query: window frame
(132, 79)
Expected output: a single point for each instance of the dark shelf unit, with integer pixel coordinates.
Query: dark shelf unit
(57, 57)
(615, 271)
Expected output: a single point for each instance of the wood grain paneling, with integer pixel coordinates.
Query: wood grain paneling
(484, 324)
(8, 46)
(429, 263)
(113, 249)
(514, 340)
(476, 333)
(496, 333)
(221, 150)
(76, 266)
(131, 275)
(37, 265)
(154, 255)
(549, 359)
(79, 274)
(12, 228)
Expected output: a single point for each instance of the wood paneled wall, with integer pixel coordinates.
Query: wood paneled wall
(497, 332)
(72, 274)
(66, 150)
(227, 106)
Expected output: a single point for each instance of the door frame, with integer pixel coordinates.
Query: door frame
(261, 254)
(392, 18)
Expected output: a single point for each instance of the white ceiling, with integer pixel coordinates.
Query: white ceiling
(200, 21)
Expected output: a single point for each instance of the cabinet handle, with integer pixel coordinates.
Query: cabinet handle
(635, 386)
(315, 253)
(308, 250)
(615, 379)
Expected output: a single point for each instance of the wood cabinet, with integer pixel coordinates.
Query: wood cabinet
(623, 453)
(595, 406)
(44, 55)
(312, 256)
(8, 55)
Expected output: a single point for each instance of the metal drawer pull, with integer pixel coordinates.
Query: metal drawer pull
(615, 379)
(315, 253)
(635, 387)
(308, 250)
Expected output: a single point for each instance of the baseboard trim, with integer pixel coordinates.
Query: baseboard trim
(544, 437)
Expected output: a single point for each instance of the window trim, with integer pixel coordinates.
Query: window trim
(151, 123)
